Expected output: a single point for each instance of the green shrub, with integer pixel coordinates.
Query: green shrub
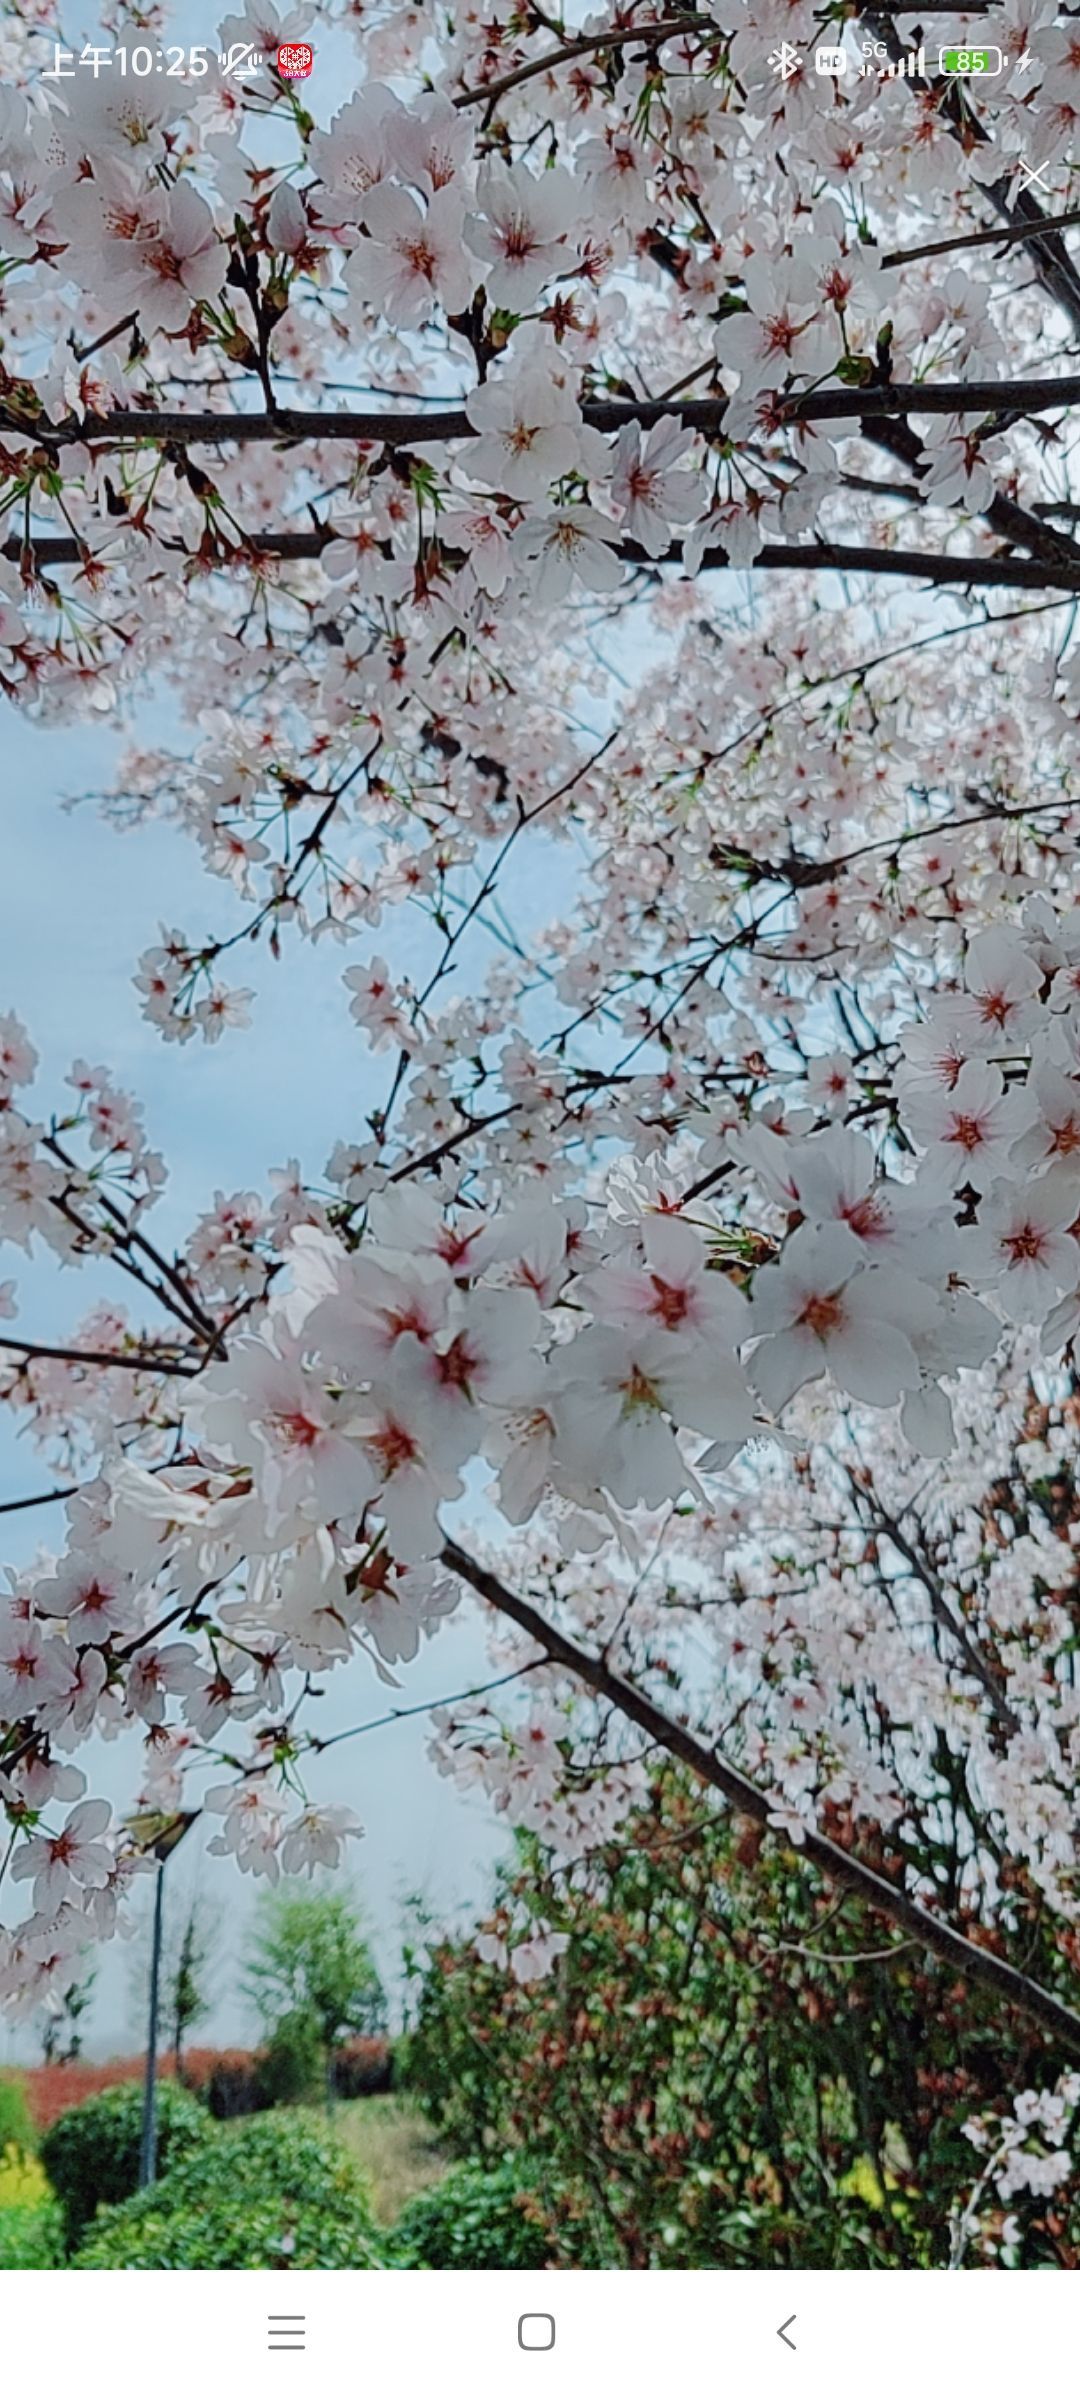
(32, 2236)
(17, 2128)
(263, 2192)
(476, 2217)
(292, 2066)
(91, 2154)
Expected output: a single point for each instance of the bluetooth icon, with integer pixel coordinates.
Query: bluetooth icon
(785, 62)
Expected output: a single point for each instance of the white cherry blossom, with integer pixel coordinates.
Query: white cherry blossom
(65, 1863)
(410, 260)
(520, 230)
(821, 1310)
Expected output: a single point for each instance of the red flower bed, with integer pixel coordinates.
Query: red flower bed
(228, 2080)
(51, 2090)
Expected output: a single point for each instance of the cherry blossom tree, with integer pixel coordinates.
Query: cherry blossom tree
(567, 448)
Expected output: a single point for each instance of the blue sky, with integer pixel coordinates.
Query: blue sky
(78, 902)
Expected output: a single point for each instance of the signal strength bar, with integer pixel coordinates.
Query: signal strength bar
(913, 63)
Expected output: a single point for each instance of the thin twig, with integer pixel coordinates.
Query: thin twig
(63, 1491)
(136, 1361)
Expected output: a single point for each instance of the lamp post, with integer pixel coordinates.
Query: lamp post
(161, 1836)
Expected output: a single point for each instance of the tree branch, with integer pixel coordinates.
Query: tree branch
(994, 237)
(1017, 526)
(1000, 396)
(840, 558)
(980, 1967)
(616, 37)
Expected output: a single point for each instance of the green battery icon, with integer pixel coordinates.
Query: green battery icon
(988, 61)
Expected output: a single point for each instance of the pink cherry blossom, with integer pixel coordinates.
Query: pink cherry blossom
(968, 1131)
(411, 260)
(570, 545)
(820, 1310)
(520, 230)
(62, 1864)
(649, 487)
(528, 428)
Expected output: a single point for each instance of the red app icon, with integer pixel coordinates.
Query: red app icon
(294, 61)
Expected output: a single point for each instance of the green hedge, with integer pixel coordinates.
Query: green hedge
(16, 2123)
(261, 2192)
(32, 2236)
(477, 2217)
(91, 2154)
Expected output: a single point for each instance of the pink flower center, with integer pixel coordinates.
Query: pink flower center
(517, 238)
(824, 1314)
(298, 1432)
(969, 1133)
(995, 1008)
(866, 1217)
(458, 1364)
(1028, 1242)
(671, 1303)
(165, 263)
(93, 1601)
(421, 258)
(394, 1447)
(780, 333)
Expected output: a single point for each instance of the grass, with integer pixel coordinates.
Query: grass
(394, 2147)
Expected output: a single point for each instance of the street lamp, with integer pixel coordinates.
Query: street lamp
(160, 1836)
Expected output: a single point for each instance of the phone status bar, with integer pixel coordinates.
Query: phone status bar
(953, 60)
